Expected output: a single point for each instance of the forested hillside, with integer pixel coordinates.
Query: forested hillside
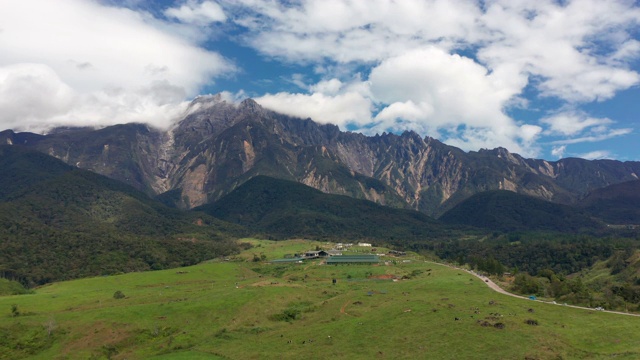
(58, 222)
(501, 210)
(286, 209)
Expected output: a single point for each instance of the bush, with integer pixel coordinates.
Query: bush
(118, 295)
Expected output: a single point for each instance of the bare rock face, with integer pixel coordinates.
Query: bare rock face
(218, 145)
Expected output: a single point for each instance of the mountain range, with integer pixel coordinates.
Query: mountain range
(58, 221)
(219, 145)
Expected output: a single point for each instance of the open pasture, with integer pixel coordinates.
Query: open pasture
(405, 308)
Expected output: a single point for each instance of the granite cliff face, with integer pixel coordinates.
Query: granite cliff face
(219, 145)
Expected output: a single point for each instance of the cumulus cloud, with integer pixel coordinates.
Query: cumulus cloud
(573, 122)
(578, 127)
(347, 31)
(448, 96)
(454, 68)
(202, 14)
(568, 49)
(30, 93)
(350, 108)
(575, 51)
(80, 62)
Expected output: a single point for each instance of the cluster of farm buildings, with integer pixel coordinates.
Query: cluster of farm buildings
(335, 256)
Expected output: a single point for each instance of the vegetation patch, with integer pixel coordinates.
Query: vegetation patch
(273, 270)
(20, 340)
(9, 287)
(293, 311)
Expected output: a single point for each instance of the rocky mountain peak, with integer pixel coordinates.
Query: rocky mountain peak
(250, 106)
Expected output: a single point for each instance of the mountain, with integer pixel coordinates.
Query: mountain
(507, 211)
(60, 222)
(219, 145)
(287, 209)
(615, 204)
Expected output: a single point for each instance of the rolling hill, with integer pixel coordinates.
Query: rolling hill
(242, 309)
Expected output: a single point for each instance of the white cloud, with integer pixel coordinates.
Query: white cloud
(596, 155)
(433, 92)
(572, 122)
(578, 127)
(599, 134)
(329, 87)
(346, 31)
(86, 63)
(567, 48)
(452, 69)
(577, 51)
(31, 92)
(201, 14)
(558, 151)
(574, 51)
(341, 109)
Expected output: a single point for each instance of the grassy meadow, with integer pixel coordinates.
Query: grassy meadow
(241, 309)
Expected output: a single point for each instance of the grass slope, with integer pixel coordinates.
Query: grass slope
(241, 309)
(502, 210)
(287, 209)
(59, 222)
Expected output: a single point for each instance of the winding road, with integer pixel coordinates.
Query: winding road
(497, 288)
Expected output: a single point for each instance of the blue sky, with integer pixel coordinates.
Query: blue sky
(546, 79)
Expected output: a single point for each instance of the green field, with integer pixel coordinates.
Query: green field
(241, 309)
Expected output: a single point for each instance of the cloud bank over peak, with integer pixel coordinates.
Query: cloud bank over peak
(85, 63)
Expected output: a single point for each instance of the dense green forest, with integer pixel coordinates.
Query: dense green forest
(615, 204)
(58, 222)
(577, 269)
(281, 209)
(501, 210)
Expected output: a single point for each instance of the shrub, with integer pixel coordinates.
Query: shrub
(14, 310)
(118, 295)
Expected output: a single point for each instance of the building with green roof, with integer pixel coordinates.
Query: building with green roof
(353, 259)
